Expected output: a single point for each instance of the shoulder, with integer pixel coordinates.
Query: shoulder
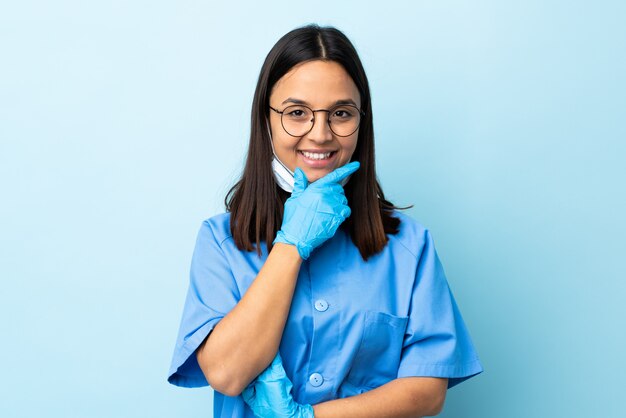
(218, 226)
(412, 234)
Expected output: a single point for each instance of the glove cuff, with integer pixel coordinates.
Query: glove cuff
(303, 249)
(306, 411)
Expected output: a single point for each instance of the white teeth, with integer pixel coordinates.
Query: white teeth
(316, 156)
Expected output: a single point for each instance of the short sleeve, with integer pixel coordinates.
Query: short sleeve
(212, 293)
(436, 342)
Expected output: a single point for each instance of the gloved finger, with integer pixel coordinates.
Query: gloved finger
(335, 196)
(335, 199)
(278, 361)
(300, 182)
(345, 212)
(249, 394)
(276, 369)
(272, 371)
(335, 188)
(339, 174)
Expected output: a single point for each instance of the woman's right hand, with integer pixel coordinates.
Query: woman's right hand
(314, 212)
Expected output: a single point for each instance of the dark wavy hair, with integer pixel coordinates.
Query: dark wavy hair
(256, 202)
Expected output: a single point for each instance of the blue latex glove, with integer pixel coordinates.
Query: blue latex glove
(314, 212)
(269, 395)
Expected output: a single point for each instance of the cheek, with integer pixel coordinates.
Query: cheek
(283, 143)
(285, 147)
(347, 153)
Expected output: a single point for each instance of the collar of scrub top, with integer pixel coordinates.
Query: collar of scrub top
(283, 175)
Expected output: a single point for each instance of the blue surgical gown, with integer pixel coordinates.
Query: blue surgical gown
(353, 325)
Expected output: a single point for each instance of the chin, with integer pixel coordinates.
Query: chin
(311, 177)
(317, 174)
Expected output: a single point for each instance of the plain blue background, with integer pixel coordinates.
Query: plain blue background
(123, 124)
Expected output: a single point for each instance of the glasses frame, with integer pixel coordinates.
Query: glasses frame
(330, 125)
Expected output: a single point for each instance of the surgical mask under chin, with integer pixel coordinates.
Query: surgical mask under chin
(284, 176)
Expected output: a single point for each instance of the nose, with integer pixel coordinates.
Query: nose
(321, 129)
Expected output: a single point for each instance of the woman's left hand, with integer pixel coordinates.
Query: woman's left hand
(269, 395)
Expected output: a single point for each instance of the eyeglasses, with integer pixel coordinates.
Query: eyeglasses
(298, 120)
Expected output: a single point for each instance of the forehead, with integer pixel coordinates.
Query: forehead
(318, 83)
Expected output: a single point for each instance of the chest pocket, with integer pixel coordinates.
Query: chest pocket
(378, 356)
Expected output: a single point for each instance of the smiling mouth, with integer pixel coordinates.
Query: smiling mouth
(318, 156)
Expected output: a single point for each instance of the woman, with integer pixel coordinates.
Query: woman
(311, 271)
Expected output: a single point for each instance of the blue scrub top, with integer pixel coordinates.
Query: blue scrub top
(353, 325)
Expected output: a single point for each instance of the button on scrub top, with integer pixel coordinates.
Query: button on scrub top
(353, 325)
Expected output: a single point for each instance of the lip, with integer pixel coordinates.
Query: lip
(320, 151)
(317, 163)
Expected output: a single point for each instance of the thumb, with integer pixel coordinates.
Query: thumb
(300, 181)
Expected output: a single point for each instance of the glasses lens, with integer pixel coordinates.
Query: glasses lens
(297, 120)
(344, 120)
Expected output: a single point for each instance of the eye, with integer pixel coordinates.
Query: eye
(343, 113)
(297, 113)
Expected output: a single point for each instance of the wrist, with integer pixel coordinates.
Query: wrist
(287, 250)
(303, 249)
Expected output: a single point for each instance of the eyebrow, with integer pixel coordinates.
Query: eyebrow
(303, 102)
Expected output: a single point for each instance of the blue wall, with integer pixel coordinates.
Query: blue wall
(123, 124)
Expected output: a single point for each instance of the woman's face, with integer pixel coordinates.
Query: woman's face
(318, 85)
